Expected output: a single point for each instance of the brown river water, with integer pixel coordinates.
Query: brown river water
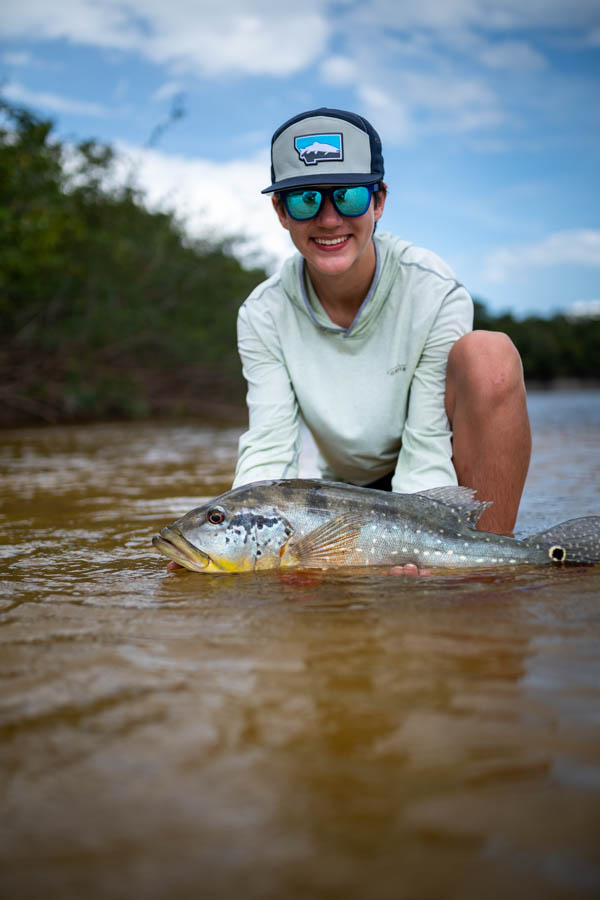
(179, 735)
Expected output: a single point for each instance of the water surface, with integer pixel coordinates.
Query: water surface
(355, 736)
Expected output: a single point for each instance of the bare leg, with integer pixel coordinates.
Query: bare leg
(486, 405)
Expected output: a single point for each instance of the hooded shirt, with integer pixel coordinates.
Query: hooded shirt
(372, 394)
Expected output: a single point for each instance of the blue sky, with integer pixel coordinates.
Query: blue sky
(489, 112)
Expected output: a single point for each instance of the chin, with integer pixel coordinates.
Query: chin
(332, 262)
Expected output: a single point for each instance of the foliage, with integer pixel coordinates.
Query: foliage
(106, 307)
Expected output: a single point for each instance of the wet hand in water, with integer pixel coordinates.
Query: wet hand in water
(410, 569)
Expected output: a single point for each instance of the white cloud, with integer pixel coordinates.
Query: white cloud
(80, 21)
(267, 36)
(213, 199)
(484, 14)
(23, 59)
(584, 309)
(192, 35)
(422, 82)
(404, 103)
(574, 247)
(389, 113)
(339, 70)
(18, 93)
(437, 70)
(427, 104)
(168, 90)
(17, 59)
(512, 55)
(440, 70)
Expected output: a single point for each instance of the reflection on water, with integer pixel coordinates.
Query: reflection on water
(357, 736)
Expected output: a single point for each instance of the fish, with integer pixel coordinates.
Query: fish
(309, 523)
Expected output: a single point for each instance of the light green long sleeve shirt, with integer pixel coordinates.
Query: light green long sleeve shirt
(373, 394)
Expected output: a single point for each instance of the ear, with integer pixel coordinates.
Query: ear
(281, 211)
(378, 210)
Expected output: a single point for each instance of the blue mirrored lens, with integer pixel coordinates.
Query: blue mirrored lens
(305, 203)
(352, 201)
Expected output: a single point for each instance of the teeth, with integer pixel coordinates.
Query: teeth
(329, 241)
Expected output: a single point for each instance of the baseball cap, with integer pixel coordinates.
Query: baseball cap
(325, 146)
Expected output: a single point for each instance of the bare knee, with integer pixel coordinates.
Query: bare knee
(485, 369)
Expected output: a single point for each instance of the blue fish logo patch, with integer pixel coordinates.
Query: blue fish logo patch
(316, 148)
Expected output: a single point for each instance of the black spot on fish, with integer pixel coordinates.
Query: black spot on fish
(242, 520)
(265, 522)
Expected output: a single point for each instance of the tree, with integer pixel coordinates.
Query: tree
(103, 302)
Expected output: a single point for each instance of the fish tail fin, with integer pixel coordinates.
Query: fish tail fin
(577, 540)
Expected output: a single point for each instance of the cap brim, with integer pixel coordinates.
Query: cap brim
(310, 180)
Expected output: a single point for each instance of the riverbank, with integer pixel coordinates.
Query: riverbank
(563, 384)
(61, 393)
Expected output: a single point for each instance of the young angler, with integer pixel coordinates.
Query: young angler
(369, 339)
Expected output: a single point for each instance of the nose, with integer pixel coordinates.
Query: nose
(328, 214)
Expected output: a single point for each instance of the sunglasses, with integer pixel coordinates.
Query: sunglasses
(304, 203)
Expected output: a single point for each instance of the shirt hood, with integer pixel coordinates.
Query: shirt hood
(301, 293)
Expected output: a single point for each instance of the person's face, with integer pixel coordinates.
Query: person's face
(331, 243)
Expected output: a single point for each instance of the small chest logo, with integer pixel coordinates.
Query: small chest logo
(399, 368)
(316, 148)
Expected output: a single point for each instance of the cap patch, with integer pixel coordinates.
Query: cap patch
(316, 148)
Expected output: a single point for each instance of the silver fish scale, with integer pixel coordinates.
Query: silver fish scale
(400, 528)
(451, 542)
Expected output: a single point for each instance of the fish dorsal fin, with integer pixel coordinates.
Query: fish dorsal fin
(461, 499)
(329, 544)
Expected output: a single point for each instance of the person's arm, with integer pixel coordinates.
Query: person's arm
(270, 448)
(425, 459)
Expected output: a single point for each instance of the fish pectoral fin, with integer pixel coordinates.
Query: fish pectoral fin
(329, 544)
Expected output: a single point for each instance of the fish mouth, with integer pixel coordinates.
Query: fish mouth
(173, 545)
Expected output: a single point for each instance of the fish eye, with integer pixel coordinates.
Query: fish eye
(215, 516)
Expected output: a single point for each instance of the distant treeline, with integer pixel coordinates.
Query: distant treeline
(109, 309)
(554, 351)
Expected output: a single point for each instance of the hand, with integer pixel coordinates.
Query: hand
(408, 569)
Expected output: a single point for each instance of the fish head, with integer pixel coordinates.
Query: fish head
(223, 536)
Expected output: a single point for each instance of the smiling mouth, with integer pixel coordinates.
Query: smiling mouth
(331, 242)
(174, 546)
